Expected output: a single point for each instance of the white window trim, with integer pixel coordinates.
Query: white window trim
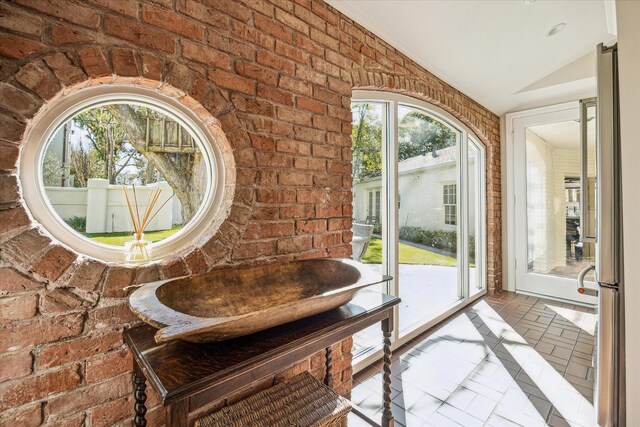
(48, 121)
(390, 196)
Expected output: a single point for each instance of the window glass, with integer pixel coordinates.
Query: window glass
(113, 165)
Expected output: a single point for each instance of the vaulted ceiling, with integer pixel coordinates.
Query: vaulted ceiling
(497, 51)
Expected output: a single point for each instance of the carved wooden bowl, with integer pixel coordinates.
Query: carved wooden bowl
(229, 303)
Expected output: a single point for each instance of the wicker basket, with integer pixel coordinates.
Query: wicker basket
(301, 401)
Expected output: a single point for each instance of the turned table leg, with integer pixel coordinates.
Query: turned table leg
(387, 329)
(139, 384)
(328, 379)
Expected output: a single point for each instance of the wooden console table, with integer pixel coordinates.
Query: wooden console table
(188, 376)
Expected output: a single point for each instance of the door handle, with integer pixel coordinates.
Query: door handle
(581, 289)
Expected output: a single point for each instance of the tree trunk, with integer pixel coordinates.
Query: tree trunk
(185, 173)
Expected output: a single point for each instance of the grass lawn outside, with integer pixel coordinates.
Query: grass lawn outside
(408, 255)
(118, 239)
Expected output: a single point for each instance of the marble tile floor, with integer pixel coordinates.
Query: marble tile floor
(506, 360)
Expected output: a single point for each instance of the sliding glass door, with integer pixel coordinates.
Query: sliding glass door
(418, 208)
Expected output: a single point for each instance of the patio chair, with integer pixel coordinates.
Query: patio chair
(361, 237)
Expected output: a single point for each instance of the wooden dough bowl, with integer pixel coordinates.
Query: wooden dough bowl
(229, 303)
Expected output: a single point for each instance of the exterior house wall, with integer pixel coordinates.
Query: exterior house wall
(276, 78)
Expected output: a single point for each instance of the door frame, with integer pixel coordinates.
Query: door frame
(511, 186)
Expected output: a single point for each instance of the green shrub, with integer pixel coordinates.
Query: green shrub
(78, 223)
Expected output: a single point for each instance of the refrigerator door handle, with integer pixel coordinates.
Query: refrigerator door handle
(581, 288)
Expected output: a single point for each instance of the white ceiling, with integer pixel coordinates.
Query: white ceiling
(496, 51)
(564, 135)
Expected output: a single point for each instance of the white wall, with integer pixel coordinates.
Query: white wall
(628, 16)
(105, 206)
(421, 197)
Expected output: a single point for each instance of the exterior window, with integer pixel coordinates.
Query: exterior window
(449, 202)
(373, 216)
(108, 168)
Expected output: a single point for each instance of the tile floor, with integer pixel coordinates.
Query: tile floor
(507, 360)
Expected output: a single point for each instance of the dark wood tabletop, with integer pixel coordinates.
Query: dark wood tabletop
(179, 369)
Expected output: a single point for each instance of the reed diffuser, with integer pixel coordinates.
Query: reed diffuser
(139, 249)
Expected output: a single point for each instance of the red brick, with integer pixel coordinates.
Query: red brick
(139, 34)
(24, 246)
(328, 181)
(111, 315)
(61, 35)
(12, 282)
(26, 416)
(18, 308)
(124, 62)
(312, 196)
(94, 62)
(78, 349)
(18, 393)
(253, 250)
(295, 85)
(327, 240)
(275, 195)
(329, 210)
(202, 13)
(295, 179)
(40, 331)
(273, 28)
(9, 194)
(125, 7)
(151, 67)
(296, 212)
(19, 21)
(311, 105)
(11, 219)
(310, 164)
(275, 95)
(108, 365)
(110, 413)
(61, 300)
(274, 61)
(76, 13)
(68, 73)
(293, 53)
(252, 71)
(294, 244)
(205, 55)
(196, 262)
(232, 81)
(39, 79)
(54, 262)
(294, 116)
(86, 397)
(17, 47)
(311, 226)
(231, 45)
(232, 8)
(173, 268)
(15, 365)
(87, 275)
(171, 21)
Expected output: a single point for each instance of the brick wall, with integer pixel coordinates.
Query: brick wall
(278, 77)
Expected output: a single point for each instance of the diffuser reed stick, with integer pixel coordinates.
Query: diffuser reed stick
(139, 225)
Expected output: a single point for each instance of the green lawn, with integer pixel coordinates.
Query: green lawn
(408, 255)
(118, 239)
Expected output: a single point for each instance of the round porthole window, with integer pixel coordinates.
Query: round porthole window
(122, 174)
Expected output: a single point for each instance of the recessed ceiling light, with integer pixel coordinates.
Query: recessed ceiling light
(528, 1)
(556, 29)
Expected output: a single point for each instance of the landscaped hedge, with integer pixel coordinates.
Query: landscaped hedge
(439, 239)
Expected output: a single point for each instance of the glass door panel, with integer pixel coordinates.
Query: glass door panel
(368, 137)
(553, 252)
(475, 200)
(428, 217)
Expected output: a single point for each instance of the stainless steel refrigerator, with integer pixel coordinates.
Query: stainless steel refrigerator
(609, 395)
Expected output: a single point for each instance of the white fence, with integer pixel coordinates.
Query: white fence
(105, 206)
